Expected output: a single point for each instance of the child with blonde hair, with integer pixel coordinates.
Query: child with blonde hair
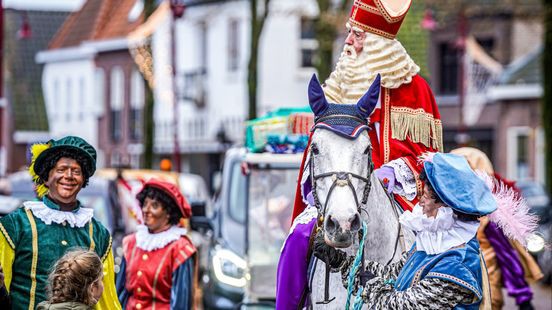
(75, 282)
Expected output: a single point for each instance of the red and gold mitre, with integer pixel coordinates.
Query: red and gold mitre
(381, 17)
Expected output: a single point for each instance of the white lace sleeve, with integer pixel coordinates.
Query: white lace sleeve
(405, 184)
(308, 215)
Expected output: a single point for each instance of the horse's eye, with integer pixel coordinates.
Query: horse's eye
(367, 150)
(315, 150)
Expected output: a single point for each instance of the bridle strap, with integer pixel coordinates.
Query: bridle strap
(341, 178)
(324, 118)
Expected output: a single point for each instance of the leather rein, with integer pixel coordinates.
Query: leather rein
(342, 179)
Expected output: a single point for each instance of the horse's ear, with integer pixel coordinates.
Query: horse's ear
(369, 100)
(317, 100)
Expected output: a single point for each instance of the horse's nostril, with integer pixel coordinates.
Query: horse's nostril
(331, 224)
(355, 222)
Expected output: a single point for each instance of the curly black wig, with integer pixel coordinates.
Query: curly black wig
(51, 160)
(461, 216)
(166, 201)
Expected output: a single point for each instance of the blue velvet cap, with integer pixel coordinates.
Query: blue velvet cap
(458, 186)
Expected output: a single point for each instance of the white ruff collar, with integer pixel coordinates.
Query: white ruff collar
(49, 215)
(149, 242)
(439, 234)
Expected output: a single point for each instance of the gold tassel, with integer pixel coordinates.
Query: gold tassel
(418, 125)
(37, 149)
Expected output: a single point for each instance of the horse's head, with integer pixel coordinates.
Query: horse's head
(340, 162)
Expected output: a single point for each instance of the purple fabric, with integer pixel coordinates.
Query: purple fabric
(388, 173)
(307, 190)
(513, 277)
(292, 267)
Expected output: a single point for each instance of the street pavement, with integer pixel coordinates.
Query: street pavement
(542, 298)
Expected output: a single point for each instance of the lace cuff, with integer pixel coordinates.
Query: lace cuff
(405, 181)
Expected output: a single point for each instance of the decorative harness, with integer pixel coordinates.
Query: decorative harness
(342, 179)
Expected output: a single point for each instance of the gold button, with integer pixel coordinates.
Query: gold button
(63, 242)
(139, 273)
(145, 257)
(139, 290)
(138, 306)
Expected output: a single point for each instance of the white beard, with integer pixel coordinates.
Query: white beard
(354, 73)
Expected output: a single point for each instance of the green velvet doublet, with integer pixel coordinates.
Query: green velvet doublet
(38, 246)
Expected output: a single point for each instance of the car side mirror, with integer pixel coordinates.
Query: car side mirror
(199, 220)
(216, 181)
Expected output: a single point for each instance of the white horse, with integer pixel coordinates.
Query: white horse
(340, 168)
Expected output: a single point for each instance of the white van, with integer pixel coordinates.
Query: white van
(252, 219)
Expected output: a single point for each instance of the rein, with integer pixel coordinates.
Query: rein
(342, 179)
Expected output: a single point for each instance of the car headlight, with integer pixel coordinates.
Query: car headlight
(229, 268)
(535, 243)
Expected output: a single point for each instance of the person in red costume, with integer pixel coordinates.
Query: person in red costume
(158, 267)
(405, 124)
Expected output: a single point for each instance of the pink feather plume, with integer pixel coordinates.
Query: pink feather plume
(512, 214)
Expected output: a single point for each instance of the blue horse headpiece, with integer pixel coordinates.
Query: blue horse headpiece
(347, 120)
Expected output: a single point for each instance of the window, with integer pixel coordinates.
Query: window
(519, 152)
(115, 159)
(233, 45)
(203, 46)
(68, 100)
(82, 99)
(448, 68)
(56, 100)
(116, 102)
(308, 43)
(237, 194)
(136, 105)
(99, 91)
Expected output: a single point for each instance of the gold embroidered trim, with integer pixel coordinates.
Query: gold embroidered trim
(486, 300)
(367, 8)
(91, 233)
(35, 258)
(418, 125)
(386, 121)
(108, 249)
(354, 13)
(372, 29)
(5, 233)
(157, 276)
(449, 277)
(386, 15)
(133, 251)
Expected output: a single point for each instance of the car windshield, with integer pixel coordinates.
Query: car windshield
(271, 193)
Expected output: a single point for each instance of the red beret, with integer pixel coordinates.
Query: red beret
(174, 192)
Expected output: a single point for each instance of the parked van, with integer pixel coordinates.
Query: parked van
(252, 217)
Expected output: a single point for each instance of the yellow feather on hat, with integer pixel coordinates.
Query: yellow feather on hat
(37, 149)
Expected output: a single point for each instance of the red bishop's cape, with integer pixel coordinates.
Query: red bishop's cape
(409, 125)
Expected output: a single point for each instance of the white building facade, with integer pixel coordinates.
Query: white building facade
(212, 53)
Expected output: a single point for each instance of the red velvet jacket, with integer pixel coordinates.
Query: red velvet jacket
(149, 273)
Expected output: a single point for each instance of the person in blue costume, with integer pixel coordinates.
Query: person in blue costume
(444, 269)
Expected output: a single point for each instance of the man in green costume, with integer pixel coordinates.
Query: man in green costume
(35, 236)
